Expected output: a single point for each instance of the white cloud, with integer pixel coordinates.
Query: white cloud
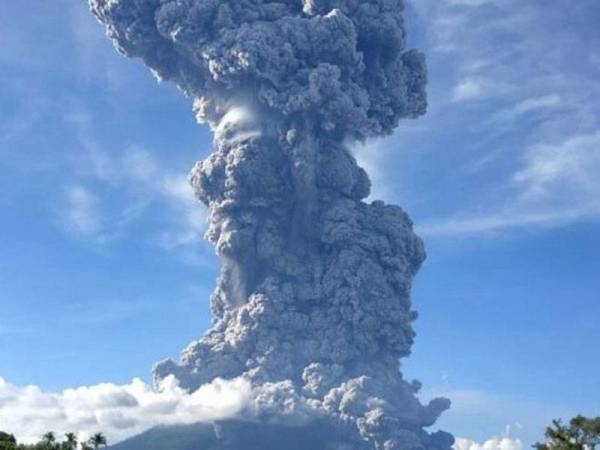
(502, 443)
(495, 222)
(144, 176)
(81, 212)
(476, 414)
(138, 165)
(532, 114)
(565, 174)
(469, 89)
(370, 156)
(91, 218)
(478, 88)
(141, 170)
(120, 411)
(555, 184)
(117, 190)
(470, 2)
(527, 106)
(192, 217)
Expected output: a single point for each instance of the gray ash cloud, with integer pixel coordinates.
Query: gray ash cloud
(312, 305)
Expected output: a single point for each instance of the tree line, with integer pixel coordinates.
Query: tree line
(581, 433)
(50, 442)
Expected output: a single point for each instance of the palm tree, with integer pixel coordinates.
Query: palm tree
(71, 442)
(49, 439)
(97, 440)
(7, 438)
(85, 446)
(582, 433)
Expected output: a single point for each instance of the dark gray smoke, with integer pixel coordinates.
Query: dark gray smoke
(313, 301)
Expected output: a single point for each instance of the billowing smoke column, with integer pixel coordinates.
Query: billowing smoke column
(313, 301)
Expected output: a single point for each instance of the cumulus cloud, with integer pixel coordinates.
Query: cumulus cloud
(502, 443)
(120, 411)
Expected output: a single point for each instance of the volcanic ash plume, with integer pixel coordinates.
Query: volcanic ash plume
(312, 304)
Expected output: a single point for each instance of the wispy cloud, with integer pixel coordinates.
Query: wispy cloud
(528, 106)
(87, 216)
(474, 88)
(565, 172)
(516, 85)
(470, 2)
(192, 217)
(556, 184)
(140, 181)
(469, 89)
(81, 213)
(116, 189)
(97, 192)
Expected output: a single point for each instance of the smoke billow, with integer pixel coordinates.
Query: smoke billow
(312, 305)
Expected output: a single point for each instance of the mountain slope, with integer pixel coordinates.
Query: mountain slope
(236, 435)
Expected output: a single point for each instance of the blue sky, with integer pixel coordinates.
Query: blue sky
(103, 270)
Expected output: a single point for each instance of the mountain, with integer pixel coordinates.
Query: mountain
(236, 435)
(177, 437)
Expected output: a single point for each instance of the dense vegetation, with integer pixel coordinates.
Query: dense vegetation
(580, 434)
(50, 442)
